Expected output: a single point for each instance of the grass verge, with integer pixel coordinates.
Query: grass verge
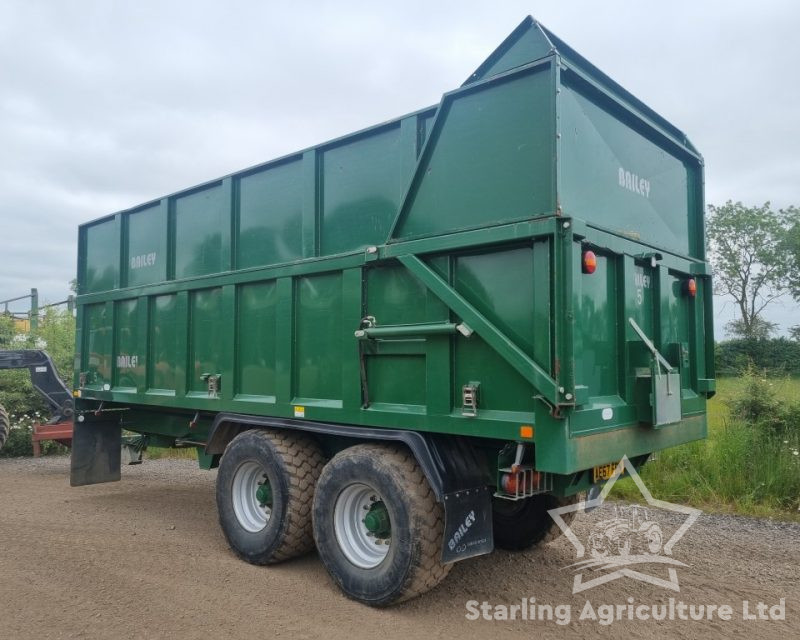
(750, 463)
(183, 453)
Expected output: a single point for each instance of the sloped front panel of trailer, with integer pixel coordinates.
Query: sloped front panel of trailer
(489, 158)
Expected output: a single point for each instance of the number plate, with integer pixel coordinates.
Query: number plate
(603, 472)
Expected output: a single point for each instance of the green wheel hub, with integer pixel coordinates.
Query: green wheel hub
(264, 494)
(377, 520)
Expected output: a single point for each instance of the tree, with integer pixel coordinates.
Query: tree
(759, 329)
(792, 246)
(748, 250)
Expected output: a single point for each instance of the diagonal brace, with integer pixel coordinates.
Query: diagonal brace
(496, 339)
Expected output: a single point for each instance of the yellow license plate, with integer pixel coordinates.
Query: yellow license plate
(605, 471)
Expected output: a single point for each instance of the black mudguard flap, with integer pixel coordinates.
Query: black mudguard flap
(467, 524)
(96, 450)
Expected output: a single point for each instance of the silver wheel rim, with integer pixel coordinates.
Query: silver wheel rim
(247, 479)
(356, 542)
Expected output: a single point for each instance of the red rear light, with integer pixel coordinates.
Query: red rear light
(589, 262)
(508, 483)
(691, 287)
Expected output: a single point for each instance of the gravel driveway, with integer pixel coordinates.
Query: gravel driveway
(144, 558)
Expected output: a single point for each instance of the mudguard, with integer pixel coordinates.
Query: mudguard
(96, 447)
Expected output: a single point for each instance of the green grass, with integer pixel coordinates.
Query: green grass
(744, 466)
(183, 453)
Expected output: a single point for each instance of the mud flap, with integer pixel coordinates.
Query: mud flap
(467, 524)
(96, 450)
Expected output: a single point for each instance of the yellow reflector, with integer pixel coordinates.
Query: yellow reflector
(526, 431)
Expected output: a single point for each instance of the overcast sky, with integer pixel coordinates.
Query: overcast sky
(104, 105)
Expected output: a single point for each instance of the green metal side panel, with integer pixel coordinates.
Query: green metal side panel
(102, 257)
(129, 363)
(97, 349)
(318, 346)
(396, 368)
(202, 224)
(362, 184)
(615, 177)
(206, 339)
(596, 336)
(256, 362)
(483, 279)
(397, 382)
(394, 295)
(271, 215)
(489, 158)
(166, 364)
(147, 245)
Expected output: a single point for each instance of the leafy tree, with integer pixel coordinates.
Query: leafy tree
(759, 329)
(792, 246)
(748, 250)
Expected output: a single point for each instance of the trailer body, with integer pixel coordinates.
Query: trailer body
(521, 264)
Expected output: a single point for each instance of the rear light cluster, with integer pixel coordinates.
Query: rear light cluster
(588, 262)
(520, 482)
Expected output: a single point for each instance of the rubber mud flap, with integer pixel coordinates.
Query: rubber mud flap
(96, 448)
(468, 524)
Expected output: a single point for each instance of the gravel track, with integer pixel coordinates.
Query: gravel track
(144, 558)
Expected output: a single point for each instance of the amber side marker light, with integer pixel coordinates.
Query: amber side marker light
(526, 431)
(589, 262)
(690, 287)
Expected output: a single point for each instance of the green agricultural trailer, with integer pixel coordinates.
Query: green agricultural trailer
(407, 344)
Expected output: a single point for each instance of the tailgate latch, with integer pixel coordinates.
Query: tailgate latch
(665, 398)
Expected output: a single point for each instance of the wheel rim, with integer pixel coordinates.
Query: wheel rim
(251, 493)
(358, 506)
